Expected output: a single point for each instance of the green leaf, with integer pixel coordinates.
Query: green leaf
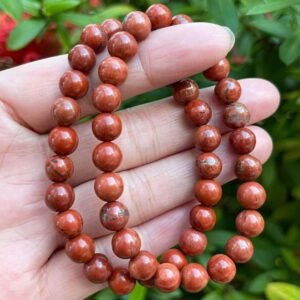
(74, 18)
(24, 33)
(64, 37)
(53, 7)
(212, 296)
(219, 237)
(139, 293)
(289, 50)
(13, 7)
(282, 291)
(33, 7)
(113, 11)
(270, 6)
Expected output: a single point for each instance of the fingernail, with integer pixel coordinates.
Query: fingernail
(232, 36)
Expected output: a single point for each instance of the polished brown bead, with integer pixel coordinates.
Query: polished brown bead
(120, 282)
(194, 278)
(82, 58)
(114, 215)
(174, 257)
(113, 70)
(107, 98)
(251, 195)
(209, 165)
(63, 140)
(109, 186)
(68, 223)
(66, 111)
(221, 268)
(138, 24)
(185, 90)
(250, 223)
(239, 248)
(80, 249)
(243, 140)
(143, 266)
(167, 278)
(248, 167)
(207, 138)
(159, 15)
(202, 218)
(208, 192)
(94, 36)
(198, 112)
(111, 26)
(98, 269)
(59, 196)
(74, 84)
(219, 71)
(59, 168)
(192, 242)
(107, 127)
(228, 90)
(107, 156)
(126, 243)
(236, 115)
(181, 19)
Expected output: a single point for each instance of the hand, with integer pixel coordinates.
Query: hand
(158, 163)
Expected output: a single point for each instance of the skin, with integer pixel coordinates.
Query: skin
(156, 162)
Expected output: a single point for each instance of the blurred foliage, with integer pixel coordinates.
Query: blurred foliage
(267, 46)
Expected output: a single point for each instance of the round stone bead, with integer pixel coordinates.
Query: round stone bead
(185, 90)
(94, 36)
(202, 218)
(198, 112)
(243, 140)
(59, 168)
(60, 196)
(192, 242)
(113, 70)
(126, 243)
(98, 269)
(138, 24)
(167, 278)
(73, 84)
(208, 192)
(143, 266)
(109, 186)
(219, 71)
(120, 282)
(174, 257)
(107, 156)
(123, 45)
(251, 195)
(248, 167)
(63, 140)
(194, 278)
(82, 58)
(221, 268)
(114, 215)
(107, 127)
(181, 19)
(239, 248)
(66, 111)
(209, 165)
(80, 249)
(236, 115)
(107, 98)
(111, 26)
(159, 15)
(207, 138)
(228, 90)
(250, 223)
(68, 223)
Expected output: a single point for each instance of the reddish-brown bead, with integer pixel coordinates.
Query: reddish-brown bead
(198, 112)
(114, 215)
(120, 282)
(185, 90)
(94, 36)
(138, 24)
(80, 249)
(219, 71)
(248, 167)
(111, 26)
(74, 84)
(194, 278)
(208, 192)
(207, 138)
(59, 168)
(107, 156)
(228, 90)
(236, 115)
(159, 15)
(174, 257)
(243, 140)
(167, 278)
(251, 195)
(202, 218)
(98, 269)
(66, 111)
(250, 223)
(82, 58)
(221, 268)
(209, 165)
(239, 248)
(181, 19)
(192, 242)
(126, 243)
